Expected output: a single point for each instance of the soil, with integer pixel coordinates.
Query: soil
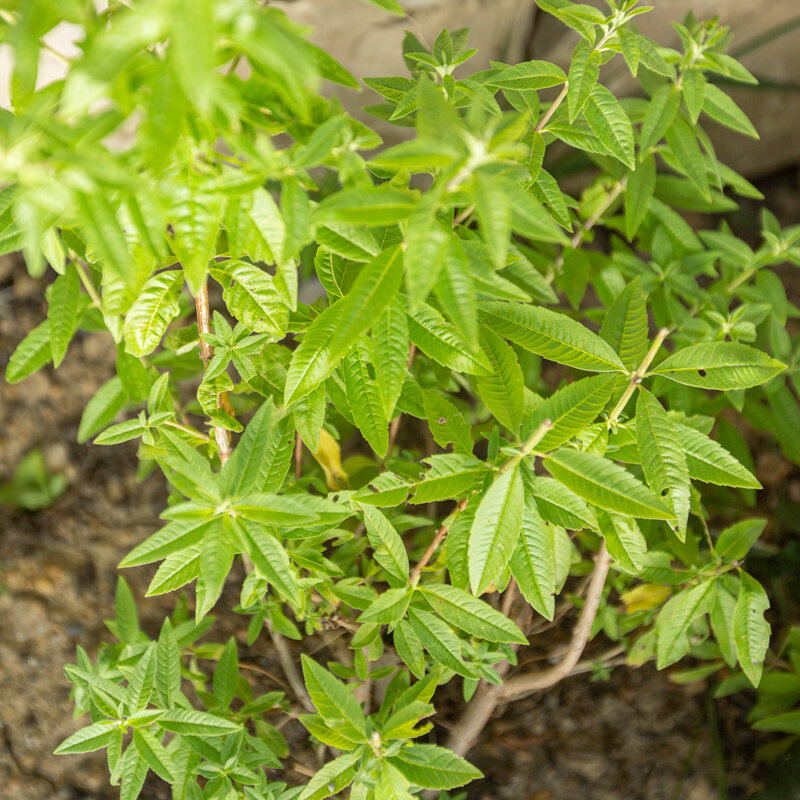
(635, 735)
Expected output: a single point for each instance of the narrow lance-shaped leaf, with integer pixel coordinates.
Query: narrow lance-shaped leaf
(390, 354)
(154, 309)
(710, 462)
(750, 629)
(63, 312)
(606, 484)
(503, 392)
(364, 397)
(663, 459)
(570, 410)
(333, 332)
(495, 530)
(533, 561)
(471, 615)
(719, 365)
(551, 335)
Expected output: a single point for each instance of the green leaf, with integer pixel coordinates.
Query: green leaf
(675, 619)
(440, 641)
(32, 353)
(336, 775)
(386, 543)
(271, 561)
(533, 561)
(273, 509)
(392, 6)
(605, 484)
(529, 75)
(155, 307)
(434, 767)
(88, 739)
(409, 648)
(735, 541)
(377, 205)
(788, 722)
(254, 299)
(390, 354)
(226, 674)
(710, 462)
(719, 365)
(561, 506)
(473, 616)
(663, 459)
(154, 753)
(133, 771)
(216, 560)
(625, 325)
(571, 410)
(503, 392)
(335, 330)
(334, 701)
(142, 682)
(638, 193)
(262, 457)
(610, 124)
(195, 224)
(126, 619)
(529, 218)
(722, 109)
(168, 666)
(427, 242)
(440, 340)
(309, 415)
(186, 722)
(625, 542)
(682, 141)
(63, 312)
(450, 475)
(584, 71)
(389, 608)
(661, 111)
(750, 629)
(446, 423)
(551, 335)
(494, 215)
(721, 617)
(364, 397)
(496, 529)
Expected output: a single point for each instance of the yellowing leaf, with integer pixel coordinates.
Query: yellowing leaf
(644, 597)
(329, 457)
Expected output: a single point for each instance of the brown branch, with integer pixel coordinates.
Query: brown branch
(221, 436)
(552, 110)
(580, 636)
(290, 669)
(480, 709)
(435, 542)
(298, 456)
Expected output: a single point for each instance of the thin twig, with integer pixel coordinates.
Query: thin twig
(482, 706)
(290, 669)
(580, 636)
(637, 376)
(298, 456)
(435, 542)
(80, 268)
(552, 110)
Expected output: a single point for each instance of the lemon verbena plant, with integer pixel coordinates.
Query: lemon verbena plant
(526, 382)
